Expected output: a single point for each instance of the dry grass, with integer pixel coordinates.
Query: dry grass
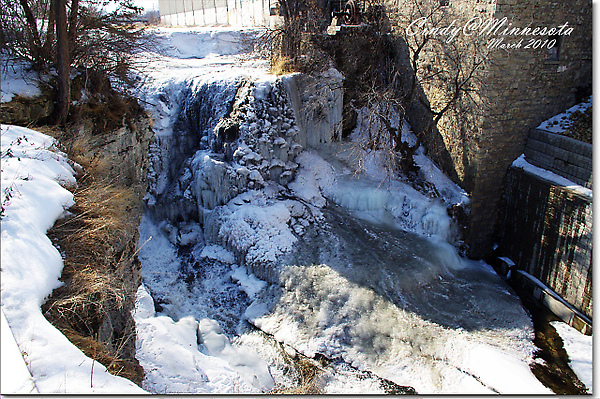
(307, 371)
(98, 242)
(282, 65)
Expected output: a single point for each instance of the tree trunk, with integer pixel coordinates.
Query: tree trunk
(73, 22)
(62, 62)
(49, 42)
(33, 36)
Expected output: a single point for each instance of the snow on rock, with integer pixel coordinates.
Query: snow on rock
(562, 122)
(183, 347)
(521, 163)
(259, 231)
(376, 164)
(449, 191)
(315, 174)
(217, 252)
(194, 357)
(32, 200)
(18, 81)
(580, 349)
(248, 282)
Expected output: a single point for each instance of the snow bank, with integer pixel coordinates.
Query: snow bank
(521, 163)
(580, 349)
(32, 200)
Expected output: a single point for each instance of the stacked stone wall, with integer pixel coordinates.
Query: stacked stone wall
(513, 92)
(547, 232)
(562, 155)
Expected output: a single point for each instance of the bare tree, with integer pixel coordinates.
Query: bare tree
(72, 36)
(63, 97)
(425, 69)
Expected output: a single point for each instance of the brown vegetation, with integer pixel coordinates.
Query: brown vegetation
(98, 242)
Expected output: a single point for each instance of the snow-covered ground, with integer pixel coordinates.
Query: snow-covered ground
(33, 198)
(580, 349)
(16, 80)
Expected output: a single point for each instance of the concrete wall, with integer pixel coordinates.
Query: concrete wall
(516, 90)
(215, 12)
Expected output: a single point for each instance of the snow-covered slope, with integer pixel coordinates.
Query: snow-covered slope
(562, 122)
(33, 198)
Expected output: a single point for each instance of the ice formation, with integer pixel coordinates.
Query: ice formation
(259, 213)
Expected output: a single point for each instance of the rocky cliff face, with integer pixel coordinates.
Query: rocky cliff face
(99, 241)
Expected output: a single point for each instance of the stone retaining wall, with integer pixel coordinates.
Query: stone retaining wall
(562, 155)
(547, 232)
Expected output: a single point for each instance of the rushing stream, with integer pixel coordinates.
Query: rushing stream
(258, 256)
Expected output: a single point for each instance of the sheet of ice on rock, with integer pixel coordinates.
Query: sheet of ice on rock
(401, 306)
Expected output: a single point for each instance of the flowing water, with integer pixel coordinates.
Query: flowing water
(247, 277)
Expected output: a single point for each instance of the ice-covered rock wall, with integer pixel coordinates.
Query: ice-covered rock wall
(185, 116)
(218, 139)
(317, 102)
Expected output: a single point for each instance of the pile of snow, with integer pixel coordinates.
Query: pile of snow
(18, 81)
(521, 163)
(33, 198)
(562, 122)
(190, 356)
(580, 349)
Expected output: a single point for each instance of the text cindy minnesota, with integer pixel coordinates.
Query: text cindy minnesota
(482, 27)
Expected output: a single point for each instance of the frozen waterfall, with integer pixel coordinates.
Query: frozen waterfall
(264, 247)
